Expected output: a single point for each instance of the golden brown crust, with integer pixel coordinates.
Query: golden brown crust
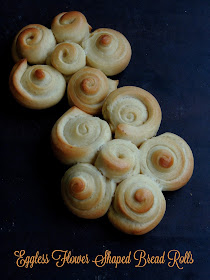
(132, 113)
(168, 160)
(77, 136)
(36, 87)
(138, 205)
(118, 159)
(86, 192)
(88, 88)
(33, 42)
(107, 50)
(71, 26)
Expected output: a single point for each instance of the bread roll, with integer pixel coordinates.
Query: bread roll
(118, 159)
(33, 42)
(138, 205)
(86, 192)
(36, 87)
(107, 50)
(77, 136)
(88, 88)
(132, 113)
(168, 160)
(68, 58)
(71, 26)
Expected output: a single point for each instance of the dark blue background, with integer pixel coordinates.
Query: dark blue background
(170, 43)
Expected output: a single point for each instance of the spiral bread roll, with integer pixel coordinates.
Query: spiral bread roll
(77, 136)
(33, 42)
(67, 58)
(37, 86)
(107, 50)
(168, 160)
(132, 113)
(88, 88)
(118, 159)
(138, 205)
(86, 192)
(71, 26)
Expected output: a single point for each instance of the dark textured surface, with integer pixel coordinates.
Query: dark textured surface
(170, 43)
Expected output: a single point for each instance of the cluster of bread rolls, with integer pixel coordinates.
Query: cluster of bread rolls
(124, 176)
(66, 48)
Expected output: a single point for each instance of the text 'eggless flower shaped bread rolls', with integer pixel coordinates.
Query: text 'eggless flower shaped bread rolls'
(33, 42)
(107, 50)
(70, 26)
(88, 88)
(168, 160)
(132, 113)
(37, 86)
(118, 159)
(86, 192)
(67, 58)
(77, 136)
(138, 205)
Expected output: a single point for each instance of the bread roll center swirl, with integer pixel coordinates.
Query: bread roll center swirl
(82, 128)
(39, 74)
(105, 40)
(162, 158)
(65, 52)
(29, 36)
(131, 111)
(90, 85)
(39, 77)
(141, 202)
(76, 185)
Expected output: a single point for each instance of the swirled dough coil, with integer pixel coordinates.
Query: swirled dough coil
(168, 160)
(86, 192)
(33, 42)
(77, 136)
(138, 205)
(37, 86)
(67, 58)
(118, 159)
(71, 26)
(107, 50)
(88, 88)
(132, 113)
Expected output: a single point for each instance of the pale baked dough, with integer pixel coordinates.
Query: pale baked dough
(132, 113)
(86, 192)
(107, 50)
(71, 26)
(33, 42)
(118, 159)
(37, 86)
(138, 205)
(168, 160)
(67, 58)
(77, 136)
(88, 88)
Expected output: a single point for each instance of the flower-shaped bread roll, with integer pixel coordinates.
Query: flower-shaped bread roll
(138, 205)
(67, 58)
(168, 160)
(107, 50)
(77, 136)
(33, 42)
(37, 86)
(71, 26)
(88, 88)
(132, 113)
(86, 192)
(118, 159)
